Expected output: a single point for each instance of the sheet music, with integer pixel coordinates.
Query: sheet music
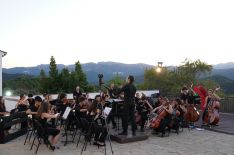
(66, 113)
(107, 111)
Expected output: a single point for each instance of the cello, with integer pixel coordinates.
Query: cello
(155, 122)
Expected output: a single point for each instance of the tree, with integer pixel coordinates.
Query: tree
(117, 80)
(171, 81)
(53, 73)
(53, 76)
(44, 82)
(80, 76)
(64, 80)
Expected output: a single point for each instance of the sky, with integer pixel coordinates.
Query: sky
(127, 31)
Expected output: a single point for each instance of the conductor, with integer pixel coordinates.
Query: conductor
(129, 90)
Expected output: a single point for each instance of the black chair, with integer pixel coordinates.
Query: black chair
(30, 130)
(85, 130)
(40, 135)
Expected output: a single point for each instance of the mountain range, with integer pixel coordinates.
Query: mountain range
(109, 70)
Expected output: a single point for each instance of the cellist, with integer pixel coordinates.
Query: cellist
(165, 106)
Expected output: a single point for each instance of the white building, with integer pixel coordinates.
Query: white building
(2, 55)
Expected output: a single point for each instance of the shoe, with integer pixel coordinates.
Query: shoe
(98, 143)
(52, 147)
(123, 133)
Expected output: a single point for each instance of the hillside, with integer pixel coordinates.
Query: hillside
(226, 84)
(108, 69)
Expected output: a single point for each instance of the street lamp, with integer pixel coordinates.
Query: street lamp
(159, 67)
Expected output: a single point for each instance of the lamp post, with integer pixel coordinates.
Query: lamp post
(159, 67)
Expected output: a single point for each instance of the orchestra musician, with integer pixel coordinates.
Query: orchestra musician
(22, 104)
(94, 114)
(164, 122)
(43, 115)
(211, 97)
(143, 108)
(77, 94)
(3, 112)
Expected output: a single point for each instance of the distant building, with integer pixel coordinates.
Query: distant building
(2, 55)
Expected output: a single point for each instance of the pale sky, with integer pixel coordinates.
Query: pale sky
(127, 31)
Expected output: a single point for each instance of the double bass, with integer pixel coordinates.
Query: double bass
(212, 115)
(192, 114)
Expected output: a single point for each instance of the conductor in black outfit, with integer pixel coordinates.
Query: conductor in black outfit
(129, 106)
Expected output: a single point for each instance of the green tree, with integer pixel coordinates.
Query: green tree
(171, 81)
(64, 80)
(44, 82)
(117, 80)
(53, 77)
(80, 76)
(53, 73)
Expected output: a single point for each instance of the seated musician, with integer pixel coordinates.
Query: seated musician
(82, 107)
(177, 114)
(111, 91)
(143, 107)
(31, 100)
(3, 112)
(111, 116)
(93, 115)
(22, 104)
(167, 119)
(61, 103)
(43, 114)
(34, 108)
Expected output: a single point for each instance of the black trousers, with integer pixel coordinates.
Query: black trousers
(143, 118)
(128, 115)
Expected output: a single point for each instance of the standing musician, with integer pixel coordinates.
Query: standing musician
(129, 90)
(77, 94)
(212, 96)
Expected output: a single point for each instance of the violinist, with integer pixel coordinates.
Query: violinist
(143, 108)
(33, 108)
(94, 114)
(22, 104)
(43, 114)
(82, 107)
(165, 107)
